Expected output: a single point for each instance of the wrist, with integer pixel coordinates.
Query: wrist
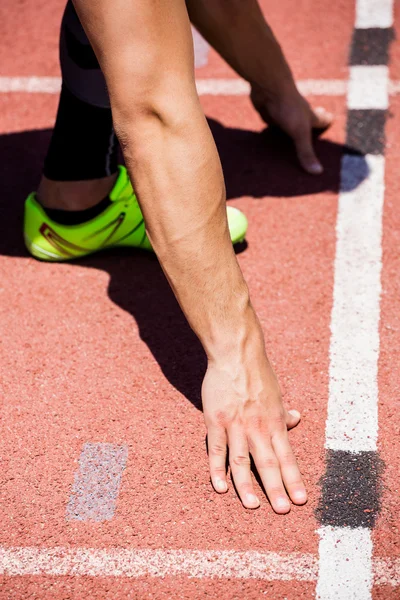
(242, 337)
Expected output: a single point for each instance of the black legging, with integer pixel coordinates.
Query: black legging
(83, 144)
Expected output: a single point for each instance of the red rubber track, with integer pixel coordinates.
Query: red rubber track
(387, 531)
(97, 351)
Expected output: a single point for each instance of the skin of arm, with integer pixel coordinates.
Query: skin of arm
(237, 30)
(145, 50)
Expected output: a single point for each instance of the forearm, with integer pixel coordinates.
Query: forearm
(239, 32)
(183, 199)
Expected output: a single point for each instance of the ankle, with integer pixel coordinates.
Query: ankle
(74, 195)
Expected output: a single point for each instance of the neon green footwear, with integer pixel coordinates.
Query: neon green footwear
(121, 224)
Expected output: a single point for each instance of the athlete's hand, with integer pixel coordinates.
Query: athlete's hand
(290, 111)
(243, 410)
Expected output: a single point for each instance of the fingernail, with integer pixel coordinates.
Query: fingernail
(282, 503)
(315, 168)
(299, 496)
(294, 413)
(252, 499)
(220, 485)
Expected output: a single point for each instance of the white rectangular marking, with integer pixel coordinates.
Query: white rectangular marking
(352, 423)
(368, 87)
(374, 13)
(121, 562)
(345, 564)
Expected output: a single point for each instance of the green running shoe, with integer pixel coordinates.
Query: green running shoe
(120, 224)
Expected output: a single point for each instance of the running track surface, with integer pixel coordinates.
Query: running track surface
(104, 479)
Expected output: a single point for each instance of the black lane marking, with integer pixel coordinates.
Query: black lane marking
(365, 131)
(371, 46)
(351, 489)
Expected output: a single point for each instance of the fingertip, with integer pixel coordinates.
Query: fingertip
(251, 501)
(220, 485)
(281, 506)
(322, 118)
(295, 413)
(299, 497)
(294, 418)
(314, 168)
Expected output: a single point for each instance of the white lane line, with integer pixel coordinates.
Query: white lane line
(121, 562)
(345, 559)
(127, 562)
(368, 87)
(352, 423)
(214, 87)
(31, 85)
(374, 13)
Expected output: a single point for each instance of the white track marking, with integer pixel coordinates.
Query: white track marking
(368, 87)
(121, 562)
(213, 87)
(352, 423)
(32, 85)
(222, 87)
(346, 568)
(126, 562)
(345, 564)
(374, 13)
(322, 87)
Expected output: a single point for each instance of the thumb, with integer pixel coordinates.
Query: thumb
(306, 154)
(292, 418)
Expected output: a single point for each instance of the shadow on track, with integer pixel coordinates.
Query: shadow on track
(255, 164)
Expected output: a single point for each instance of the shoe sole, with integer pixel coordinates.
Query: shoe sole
(45, 256)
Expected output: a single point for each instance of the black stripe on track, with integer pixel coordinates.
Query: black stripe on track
(365, 132)
(371, 46)
(351, 489)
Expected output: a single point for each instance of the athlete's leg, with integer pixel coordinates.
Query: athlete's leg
(81, 162)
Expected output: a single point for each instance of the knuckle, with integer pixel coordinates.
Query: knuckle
(278, 422)
(288, 459)
(241, 461)
(220, 418)
(256, 423)
(268, 463)
(219, 470)
(217, 450)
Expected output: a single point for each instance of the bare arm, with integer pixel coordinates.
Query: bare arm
(145, 50)
(239, 32)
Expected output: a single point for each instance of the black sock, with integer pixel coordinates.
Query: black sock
(83, 145)
(76, 217)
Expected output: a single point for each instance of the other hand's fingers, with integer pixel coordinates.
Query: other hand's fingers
(305, 151)
(239, 461)
(289, 469)
(321, 118)
(268, 468)
(216, 439)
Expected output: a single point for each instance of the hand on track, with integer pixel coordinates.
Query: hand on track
(243, 410)
(291, 112)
